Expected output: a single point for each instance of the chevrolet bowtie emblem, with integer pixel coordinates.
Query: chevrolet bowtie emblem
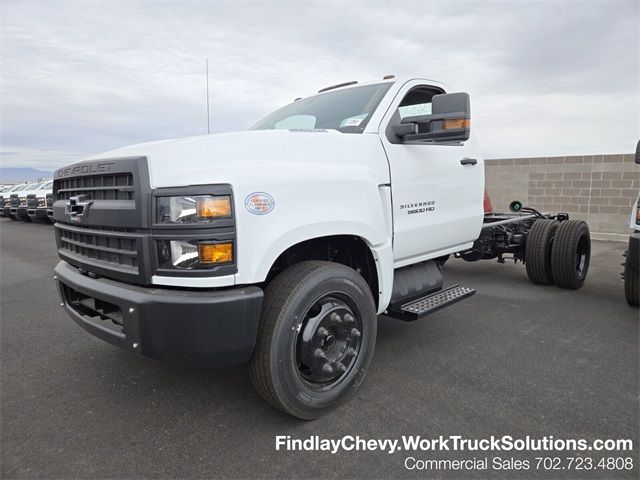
(77, 207)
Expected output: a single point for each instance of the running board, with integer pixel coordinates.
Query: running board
(424, 306)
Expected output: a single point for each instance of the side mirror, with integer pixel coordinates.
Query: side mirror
(449, 121)
(638, 153)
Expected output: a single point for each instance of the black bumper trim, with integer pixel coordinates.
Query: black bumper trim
(181, 327)
(19, 211)
(38, 213)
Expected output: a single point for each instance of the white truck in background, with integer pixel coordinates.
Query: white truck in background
(40, 201)
(631, 274)
(279, 246)
(18, 209)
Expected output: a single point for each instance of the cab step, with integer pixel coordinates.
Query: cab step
(420, 308)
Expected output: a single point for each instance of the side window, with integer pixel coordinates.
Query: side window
(416, 102)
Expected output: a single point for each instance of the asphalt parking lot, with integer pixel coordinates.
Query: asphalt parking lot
(515, 359)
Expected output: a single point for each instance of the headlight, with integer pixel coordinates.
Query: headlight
(192, 209)
(42, 202)
(193, 254)
(638, 214)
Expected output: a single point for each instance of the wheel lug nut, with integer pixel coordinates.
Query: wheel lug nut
(318, 353)
(335, 317)
(348, 318)
(327, 369)
(355, 332)
(341, 368)
(352, 352)
(323, 332)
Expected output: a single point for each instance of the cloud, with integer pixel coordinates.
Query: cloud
(79, 78)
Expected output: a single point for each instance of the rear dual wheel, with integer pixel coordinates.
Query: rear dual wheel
(316, 338)
(558, 252)
(538, 251)
(631, 282)
(571, 254)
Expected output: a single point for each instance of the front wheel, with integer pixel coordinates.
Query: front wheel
(316, 338)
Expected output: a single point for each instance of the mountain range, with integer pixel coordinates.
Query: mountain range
(18, 175)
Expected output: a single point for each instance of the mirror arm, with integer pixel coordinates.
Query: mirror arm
(404, 129)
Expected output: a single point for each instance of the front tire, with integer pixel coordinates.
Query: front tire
(571, 254)
(316, 338)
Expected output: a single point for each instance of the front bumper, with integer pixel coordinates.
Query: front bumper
(181, 327)
(19, 212)
(39, 213)
(634, 249)
(7, 211)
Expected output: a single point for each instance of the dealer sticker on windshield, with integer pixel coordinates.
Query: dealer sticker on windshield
(259, 203)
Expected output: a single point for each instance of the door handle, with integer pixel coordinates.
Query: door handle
(468, 161)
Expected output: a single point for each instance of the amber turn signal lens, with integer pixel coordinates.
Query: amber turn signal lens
(213, 207)
(215, 253)
(456, 123)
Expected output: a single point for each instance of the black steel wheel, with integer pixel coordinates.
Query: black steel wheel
(631, 282)
(316, 338)
(571, 253)
(328, 341)
(538, 251)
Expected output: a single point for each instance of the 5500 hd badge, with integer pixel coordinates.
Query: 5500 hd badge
(418, 207)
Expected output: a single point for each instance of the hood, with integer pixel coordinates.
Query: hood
(251, 156)
(38, 193)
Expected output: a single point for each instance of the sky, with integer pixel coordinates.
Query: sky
(546, 78)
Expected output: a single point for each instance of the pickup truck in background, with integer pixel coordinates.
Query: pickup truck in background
(18, 199)
(12, 201)
(631, 263)
(5, 210)
(280, 246)
(37, 208)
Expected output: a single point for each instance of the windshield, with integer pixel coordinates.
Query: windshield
(347, 111)
(44, 185)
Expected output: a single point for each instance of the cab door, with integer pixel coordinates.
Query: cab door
(437, 189)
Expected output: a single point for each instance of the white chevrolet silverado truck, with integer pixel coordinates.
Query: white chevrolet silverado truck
(280, 245)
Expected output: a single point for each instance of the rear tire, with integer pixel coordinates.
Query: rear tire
(571, 254)
(631, 283)
(538, 251)
(308, 358)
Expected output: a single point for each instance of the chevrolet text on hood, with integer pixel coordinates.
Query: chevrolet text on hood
(279, 246)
